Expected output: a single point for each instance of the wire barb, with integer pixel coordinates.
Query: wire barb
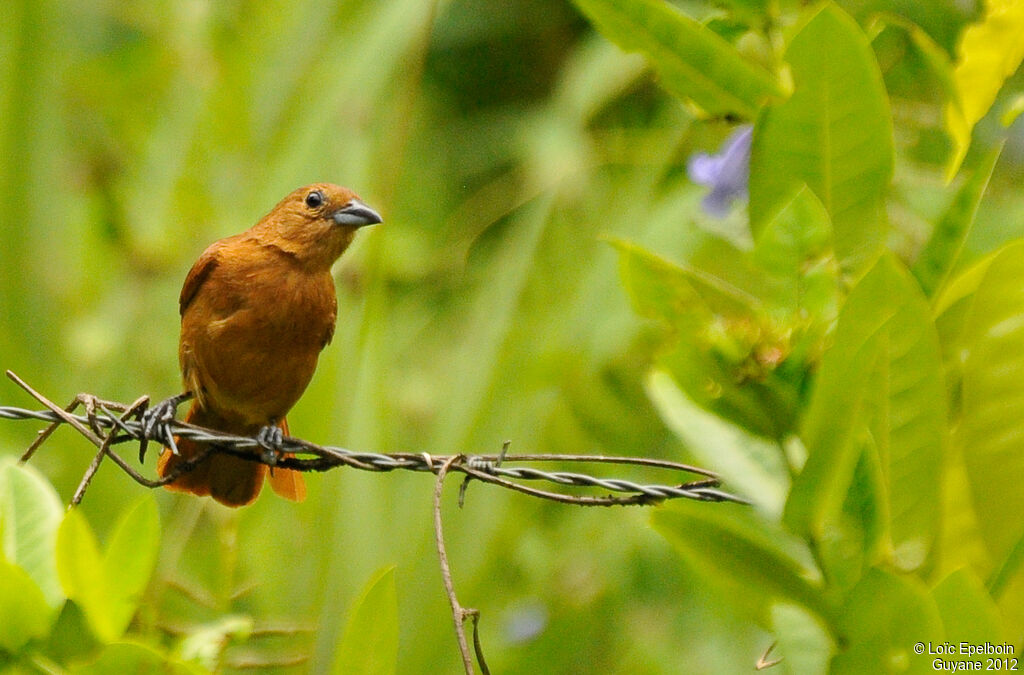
(107, 424)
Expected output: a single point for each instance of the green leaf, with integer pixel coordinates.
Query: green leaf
(658, 288)
(714, 330)
(991, 432)
(989, 52)
(934, 56)
(128, 561)
(692, 61)
(30, 513)
(884, 616)
(834, 134)
(369, 644)
(748, 464)
(803, 292)
(1012, 111)
(882, 376)
(662, 289)
(79, 566)
(952, 307)
(968, 612)
(940, 255)
(794, 247)
(803, 642)
(957, 295)
(109, 588)
(24, 612)
(858, 535)
(832, 439)
(733, 547)
(1008, 571)
(136, 657)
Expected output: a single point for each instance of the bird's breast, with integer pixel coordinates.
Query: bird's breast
(254, 347)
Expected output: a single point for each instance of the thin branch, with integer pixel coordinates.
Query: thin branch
(459, 613)
(58, 411)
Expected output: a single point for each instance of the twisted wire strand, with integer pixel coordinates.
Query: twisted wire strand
(488, 468)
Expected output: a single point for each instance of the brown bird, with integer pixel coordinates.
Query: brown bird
(256, 310)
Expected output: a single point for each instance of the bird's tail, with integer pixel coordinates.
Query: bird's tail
(230, 480)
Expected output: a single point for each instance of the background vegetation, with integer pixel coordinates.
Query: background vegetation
(847, 350)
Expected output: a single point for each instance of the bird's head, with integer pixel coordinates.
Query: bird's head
(316, 223)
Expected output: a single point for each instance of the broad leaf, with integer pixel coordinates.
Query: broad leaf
(369, 645)
(885, 615)
(968, 612)
(749, 465)
(129, 559)
(884, 373)
(715, 333)
(692, 61)
(989, 52)
(24, 613)
(951, 309)
(136, 657)
(80, 568)
(109, 587)
(804, 644)
(834, 134)
(940, 255)
(991, 433)
(795, 247)
(932, 54)
(802, 293)
(30, 513)
(742, 552)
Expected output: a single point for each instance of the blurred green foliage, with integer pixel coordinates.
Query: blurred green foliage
(847, 351)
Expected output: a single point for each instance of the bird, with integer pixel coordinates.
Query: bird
(256, 310)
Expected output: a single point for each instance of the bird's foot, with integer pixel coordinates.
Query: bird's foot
(271, 439)
(151, 423)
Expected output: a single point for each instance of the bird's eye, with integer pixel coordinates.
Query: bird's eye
(315, 199)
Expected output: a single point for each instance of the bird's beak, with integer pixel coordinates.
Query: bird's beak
(356, 214)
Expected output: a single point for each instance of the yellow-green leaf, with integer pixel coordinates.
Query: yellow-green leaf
(834, 134)
(24, 613)
(884, 616)
(369, 645)
(940, 255)
(968, 611)
(990, 51)
(108, 586)
(693, 62)
(30, 513)
(884, 374)
(78, 561)
(749, 556)
(136, 657)
(129, 559)
(991, 433)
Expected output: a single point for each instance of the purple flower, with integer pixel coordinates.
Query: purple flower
(725, 173)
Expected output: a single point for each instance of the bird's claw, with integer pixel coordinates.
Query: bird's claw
(152, 421)
(271, 439)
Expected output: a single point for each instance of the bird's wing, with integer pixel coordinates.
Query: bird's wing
(196, 276)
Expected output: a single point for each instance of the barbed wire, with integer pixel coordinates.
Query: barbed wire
(106, 427)
(482, 466)
(107, 423)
